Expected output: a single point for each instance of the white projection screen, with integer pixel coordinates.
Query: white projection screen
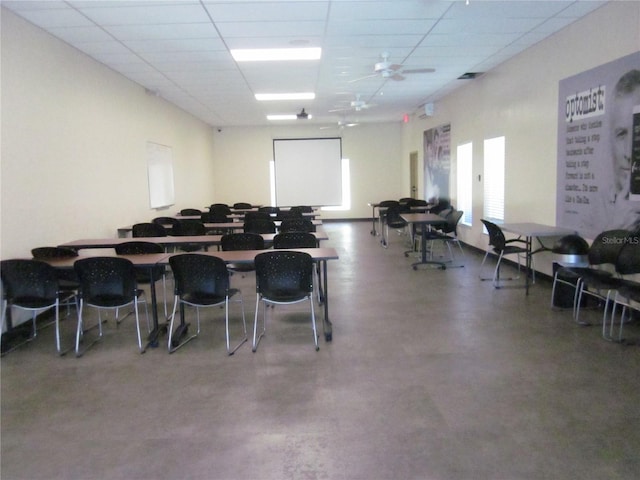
(308, 171)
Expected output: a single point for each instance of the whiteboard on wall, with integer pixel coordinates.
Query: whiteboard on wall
(308, 171)
(160, 170)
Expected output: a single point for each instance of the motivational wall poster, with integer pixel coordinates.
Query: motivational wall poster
(599, 148)
(437, 162)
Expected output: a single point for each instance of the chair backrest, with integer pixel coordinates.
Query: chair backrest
(453, 218)
(295, 239)
(393, 217)
(255, 215)
(199, 275)
(628, 261)
(242, 241)
(106, 281)
(165, 221)
(287, 214)
(303, 208)
(188, 227)
(607, 245)
(297, 225)
(137, 248)
(214, 217)
(190, 211)
(53, 252)
(242, 205)
(496, 237)
(148, 230)
(389, 203)
(415, 202)
(220, 208)
(441, 204)
(259, 226)
(284, 275)
(269, 209)
(29, 282)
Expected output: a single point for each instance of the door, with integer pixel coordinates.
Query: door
(413, 174)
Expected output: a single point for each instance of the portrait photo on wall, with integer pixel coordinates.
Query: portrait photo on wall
(437, 162)
(599, 148)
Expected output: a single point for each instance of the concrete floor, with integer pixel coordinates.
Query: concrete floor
(430, 375)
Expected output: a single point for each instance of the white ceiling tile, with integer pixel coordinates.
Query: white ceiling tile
(124, 14)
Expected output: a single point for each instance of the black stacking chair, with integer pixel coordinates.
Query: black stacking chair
(144, 275)
(186, 228)
(297, 225)
(255, 215)
(167, 222)
(67, 278)
(32, 286)
(292, 213)
(628, 292)
(241, 241)
(220, 208)
(283, 277)
(269, 209)
(107, 283)
(190, 212)
(295, 239)
(242, 205)
(574, 249)
(201, 281)
(393, 220)
(259, 226)
(501, 247)
(597, 281)
(148, 229)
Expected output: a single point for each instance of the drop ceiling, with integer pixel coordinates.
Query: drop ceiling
(179, 50)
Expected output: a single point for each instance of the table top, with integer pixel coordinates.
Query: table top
(423, 218)
(236, 225)
(248, 256)
(204, 240)
(140, 260)
(532, 229)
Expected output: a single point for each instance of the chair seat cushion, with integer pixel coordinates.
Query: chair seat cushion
(109, 300)
(284, 295)
(203, 298)
(33, 302)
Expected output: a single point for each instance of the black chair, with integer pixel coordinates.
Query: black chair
(167, 222)
(283, 277)
(215, 217)
(269, 209)
(259, 226)
(295, 239)
(148, 229)
(190, 212)
(242, 205)
(501, 247)
(220, 208)
(393, 220)
(572, 251)
(440, 205)
(303, 208)
(107, 283)
(32, 286)
(292, 213)
(201, 281)
(597, 281)
(241, 241)
(628, 292)
(187, 228)
(255, 215)
(448, 233)
(297, 225)
(145, 275)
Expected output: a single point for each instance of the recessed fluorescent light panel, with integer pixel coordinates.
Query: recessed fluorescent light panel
(284, 117)
(285, 96)
(275, 54)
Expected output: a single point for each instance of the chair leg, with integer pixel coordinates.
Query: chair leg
(244, 327)
(256, 338)
(313, 322)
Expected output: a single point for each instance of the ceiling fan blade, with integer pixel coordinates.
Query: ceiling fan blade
(363, 78)
(346, 109)
(418, 70)
(397, 77)
(394, 67)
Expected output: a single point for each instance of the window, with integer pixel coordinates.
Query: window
(465, 181)
(494, 179)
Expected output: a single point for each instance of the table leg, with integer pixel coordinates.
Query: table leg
(327, 326)
(373, 221)
(153, 338)
(423, 250)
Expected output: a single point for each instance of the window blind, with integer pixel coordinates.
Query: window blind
(494, 179)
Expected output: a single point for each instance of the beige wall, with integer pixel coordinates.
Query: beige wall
(74, 137)
(519, 100)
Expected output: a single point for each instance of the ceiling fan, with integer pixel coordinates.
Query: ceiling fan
(357, 105)
(341, 125)
(392, 71)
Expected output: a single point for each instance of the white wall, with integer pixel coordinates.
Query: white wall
(519, 100)
(74, 137)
